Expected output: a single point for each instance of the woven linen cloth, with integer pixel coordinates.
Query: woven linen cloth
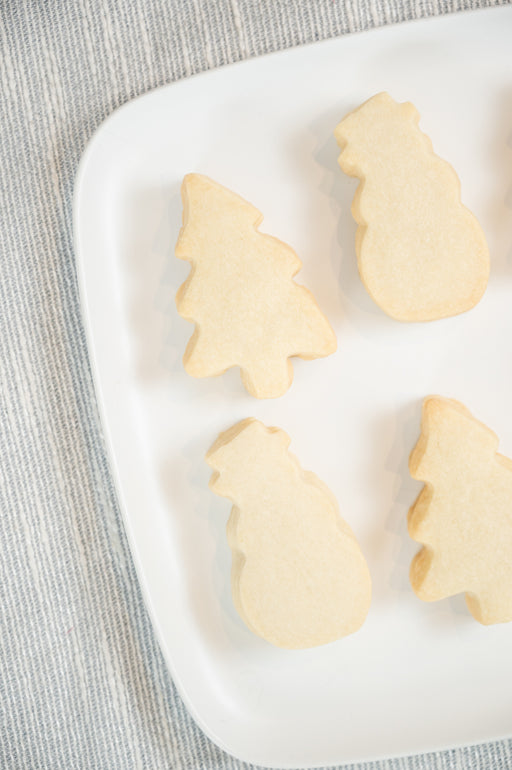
(82, 680)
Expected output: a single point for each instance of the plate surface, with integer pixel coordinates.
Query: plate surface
(417, 677)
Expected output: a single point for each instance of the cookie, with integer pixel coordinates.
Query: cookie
(421, 254)
(247, 310)
(463, 516)
(299, 578)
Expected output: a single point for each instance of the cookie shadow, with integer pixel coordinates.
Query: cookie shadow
(389, 466)
(443, 614)
(499, 211)
(338, 191)
(158, 334)
(199, 519)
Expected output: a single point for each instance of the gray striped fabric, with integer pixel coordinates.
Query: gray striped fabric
(82, 681)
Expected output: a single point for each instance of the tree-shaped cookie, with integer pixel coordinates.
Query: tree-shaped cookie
(463, 516)
(299, 578)
(421, 254)
(240, 294)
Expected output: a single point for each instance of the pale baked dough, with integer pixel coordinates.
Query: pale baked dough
(299, 578)
(240, 294)
(464, 513)
(421, 254)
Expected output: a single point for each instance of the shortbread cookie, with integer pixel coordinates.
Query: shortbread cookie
(299, 578)
(240, 294)
(463, 516)
(421, 254)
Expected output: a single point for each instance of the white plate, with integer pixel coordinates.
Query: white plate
(417, 677)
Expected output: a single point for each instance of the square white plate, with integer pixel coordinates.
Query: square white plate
(417, 677)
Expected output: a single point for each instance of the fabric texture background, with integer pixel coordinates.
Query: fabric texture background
(82, 680)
